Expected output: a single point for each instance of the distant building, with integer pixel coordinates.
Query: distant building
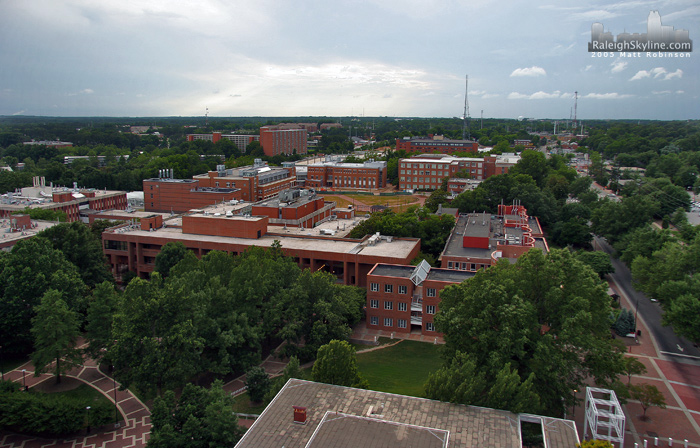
(427, 171)
(327, 126)
(315, 415)
(479, 240)
(101, 160)
(50, 143)
(338, 175)
(435, 144)
(16, 228)
(283, 139)
(241, 141)
(76, 203)
(524, 142)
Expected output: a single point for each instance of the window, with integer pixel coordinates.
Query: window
(429, 326)
(431, 292)
(388, 305)
(388, 322)
(430, 309)
(374, 287)
(374, 303)
(449, 265)
(374, 320)
(402, 323)
(403, 306)
(464, 266)
(402, 289)
(388, 288)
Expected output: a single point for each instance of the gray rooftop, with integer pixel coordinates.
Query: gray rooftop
(449, 275)
(393, 270)
(340, 417)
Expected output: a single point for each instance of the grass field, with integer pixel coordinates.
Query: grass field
(391, 201)
(401, 369)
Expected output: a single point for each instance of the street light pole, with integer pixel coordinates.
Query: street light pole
(88, 418)
(573, 411)
(116, 412)
(2, 369)
(24, 381)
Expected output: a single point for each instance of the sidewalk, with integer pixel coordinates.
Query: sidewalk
(135, 418)
(678, 382)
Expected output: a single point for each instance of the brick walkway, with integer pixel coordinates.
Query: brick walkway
(134, 415)
(679, 382)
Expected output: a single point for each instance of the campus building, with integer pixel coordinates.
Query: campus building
(479, 240)
(256, 182)
(403, 298)
(233, 228)
(435, 144)
(283, 139)
(75, 202)
(314, 415)
(240, 140)
(16, 228)
(352, 176)
(294, 208)
(427, 171)
(50, 143)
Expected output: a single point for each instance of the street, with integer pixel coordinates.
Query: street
(677, 348)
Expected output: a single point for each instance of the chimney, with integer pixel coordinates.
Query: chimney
(299, 415)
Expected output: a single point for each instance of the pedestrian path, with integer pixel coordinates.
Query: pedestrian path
(134, 429)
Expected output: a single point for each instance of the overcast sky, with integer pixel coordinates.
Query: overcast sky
(338, 58)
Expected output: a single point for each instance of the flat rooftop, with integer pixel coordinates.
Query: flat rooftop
(449, 275)
(398, 248)
(344, 417)
(393, 270)
(123, 214)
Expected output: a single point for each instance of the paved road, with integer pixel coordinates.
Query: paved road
(680, 349)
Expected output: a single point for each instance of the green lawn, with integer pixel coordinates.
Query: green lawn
(242, 405)
(401, 369)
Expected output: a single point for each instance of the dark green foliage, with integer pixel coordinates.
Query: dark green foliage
(541, 311)
(415, 223)
(336, 363)
(50, 415)
(79, 245)
(258, 383)
(597, 260)
(648, 396)
(100, 314)
(170, 255)
(28, 271)
(44, 214)
(291, 370)
(198, 418)
(624, 324)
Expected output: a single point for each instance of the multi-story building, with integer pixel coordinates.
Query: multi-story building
(435, 144)
(256, 182)
(50, 143)
(133, 247)
(326, 126)
(294, 208)
(76, 203)
(427, 171)
(20, 227)
(240, 140)
(283, 139)
(164, 194)
(337, 175)
(479, 240)
(308, 414)
(404, 298)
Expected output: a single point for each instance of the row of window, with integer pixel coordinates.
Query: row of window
(400, 323)
(464, 266)
(402, 306)
(389, 288)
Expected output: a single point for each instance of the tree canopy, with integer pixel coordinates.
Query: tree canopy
(543, 311)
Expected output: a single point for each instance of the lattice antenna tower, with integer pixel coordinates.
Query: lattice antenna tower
(465, 126)
(206, 117)
(575, 107)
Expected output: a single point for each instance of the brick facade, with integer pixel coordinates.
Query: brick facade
(367, 176)
(435, 144)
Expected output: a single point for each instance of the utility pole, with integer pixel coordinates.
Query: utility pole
(465, 133)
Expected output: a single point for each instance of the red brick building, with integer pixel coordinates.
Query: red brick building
(426, 171)
(479, 240)
(280, 139)
(74, 202)
(134, 247)
(294, 208)
(335, 175)
(240, 140)
(404, 298)
(256, 182)
(435, 144)
(180, 195)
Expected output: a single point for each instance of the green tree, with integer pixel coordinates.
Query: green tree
(156, 345)
(542, 310)
(199, 418)
(30, 269)
(632, 366)
(100, 314)
(79, 245)
(596, 260)
(258, 383)
(291, 370)
(336, 363)
(170, 255)
(683, 313)
(55, 330)
(648, 396)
